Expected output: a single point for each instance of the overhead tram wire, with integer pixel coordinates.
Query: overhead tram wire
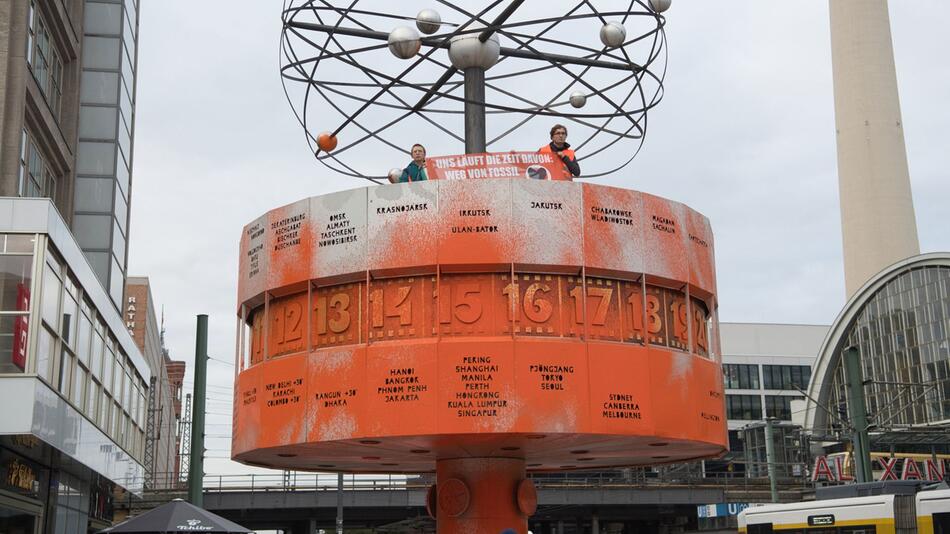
(218, 360)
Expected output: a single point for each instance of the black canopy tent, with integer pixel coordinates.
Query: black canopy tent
(177, 516)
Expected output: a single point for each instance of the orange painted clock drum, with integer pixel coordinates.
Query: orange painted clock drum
(567, 325)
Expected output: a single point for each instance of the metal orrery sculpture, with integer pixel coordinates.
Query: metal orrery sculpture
(512, 71)
(514, 322)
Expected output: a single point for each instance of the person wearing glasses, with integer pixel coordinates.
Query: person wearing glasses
(559, 147)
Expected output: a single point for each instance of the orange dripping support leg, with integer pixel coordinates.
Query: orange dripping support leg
(482, 496)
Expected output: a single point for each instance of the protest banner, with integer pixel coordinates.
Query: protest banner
(531, 165)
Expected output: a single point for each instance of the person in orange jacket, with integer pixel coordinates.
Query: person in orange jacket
(559, 147)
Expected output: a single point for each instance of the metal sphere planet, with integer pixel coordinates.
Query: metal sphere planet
(404, 42)
(467, 51)
(613, 34)
(578, 99)
(394, 175)
(428, 21)
(326, 141)
(660, 5)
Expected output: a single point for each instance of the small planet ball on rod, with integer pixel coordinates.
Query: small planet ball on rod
(466, 50)
(326, 141)
(613, 34)
(428, 21)
(660, 5)
(578, 99)
(404, 42)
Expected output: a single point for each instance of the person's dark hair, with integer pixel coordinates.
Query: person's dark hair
(557, 127)
(420, 146)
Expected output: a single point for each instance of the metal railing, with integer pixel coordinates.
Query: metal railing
(300, 481)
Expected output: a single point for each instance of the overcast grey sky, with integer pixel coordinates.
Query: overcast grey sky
(745, 135)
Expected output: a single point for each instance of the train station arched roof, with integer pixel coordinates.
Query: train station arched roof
(900, 322)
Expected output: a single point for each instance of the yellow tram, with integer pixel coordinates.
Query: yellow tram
(927, 512)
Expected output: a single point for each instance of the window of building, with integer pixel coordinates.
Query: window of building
(66, 363)
(747, 407)
(98, 122)
(16, 276)
(36, 178)
(99, 88)
(127, 392)
(96, 158)
(741, 376)
(76, 354)
(735, 441)
(116, 282)
(102, 19)
(72, 504)
(903, 335)
(95, 371)
(142, 403)
(101, 52)
(45, 345)
(117, 375)
(68, 335)
(105, 404)
(779, 407)
(128, 76)
(114, 430)
(789, 377)
(51, 318)
(91, 408)
(44, 60)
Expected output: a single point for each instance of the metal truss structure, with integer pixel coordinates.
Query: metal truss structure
(341, 78)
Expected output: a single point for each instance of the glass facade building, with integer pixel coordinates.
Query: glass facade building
(70, 366)
(756, 391)
(902, 334)
(765, 368)
(68, 120)
(900, 323)
(74, 374)
(106, 126)
(75, 384)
